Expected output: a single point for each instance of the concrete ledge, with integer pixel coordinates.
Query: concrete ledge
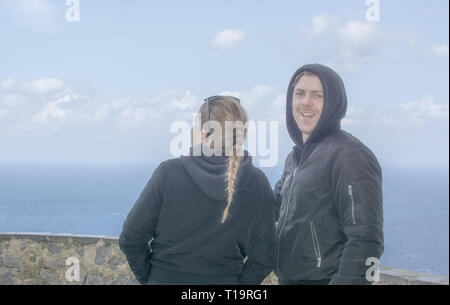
(40, 258)
(395, 276)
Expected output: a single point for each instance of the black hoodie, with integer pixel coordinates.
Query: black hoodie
(329, 196)
(180, 211)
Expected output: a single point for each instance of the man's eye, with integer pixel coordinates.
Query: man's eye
(319, 96)
(299, 94)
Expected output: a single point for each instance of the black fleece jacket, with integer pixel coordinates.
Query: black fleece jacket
(329, 197)
(180, 210)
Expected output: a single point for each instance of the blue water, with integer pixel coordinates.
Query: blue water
(96, 200)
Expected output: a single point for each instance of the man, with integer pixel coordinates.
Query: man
(330, 196)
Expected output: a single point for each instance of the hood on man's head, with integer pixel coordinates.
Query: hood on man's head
(334, 107)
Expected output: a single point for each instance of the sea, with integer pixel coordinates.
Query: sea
(95, 200)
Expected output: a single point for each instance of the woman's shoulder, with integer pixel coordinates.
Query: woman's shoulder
(260, 177)
(167, 166)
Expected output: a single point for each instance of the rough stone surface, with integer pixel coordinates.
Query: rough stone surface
(12, 262)
(58, 263)
(95, 280)
(53, 248)
(32, 259)
(6, 279)
(80, 251)
(114, 262)
(48, 277)
(102, 252)
(124, 280)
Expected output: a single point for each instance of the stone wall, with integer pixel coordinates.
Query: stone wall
(40, 259)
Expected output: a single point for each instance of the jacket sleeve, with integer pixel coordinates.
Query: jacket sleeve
(260, 258)
(359, 201)
(140, 224)
(279, 185)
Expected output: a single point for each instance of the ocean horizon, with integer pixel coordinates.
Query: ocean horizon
(95, 200)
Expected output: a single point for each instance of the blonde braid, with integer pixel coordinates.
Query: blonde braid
(233, 166)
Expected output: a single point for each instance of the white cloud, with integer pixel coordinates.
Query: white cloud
(187, 102)
(440, 50)
(352, 117)
(230, 93)
(344, 45)
(12, 100)
(319, 24)
(425, 110)
(3, 113)
(7, 83)
(45, 86)
(41, 15)
(254, 95)
(358, 39)
(229, 38)
(52, 109)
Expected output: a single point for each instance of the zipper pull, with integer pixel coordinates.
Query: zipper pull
(319, 261)
(350, 191)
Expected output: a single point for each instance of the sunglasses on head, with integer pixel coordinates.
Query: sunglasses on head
(216, 97)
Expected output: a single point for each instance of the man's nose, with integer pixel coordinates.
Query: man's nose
(307, 100)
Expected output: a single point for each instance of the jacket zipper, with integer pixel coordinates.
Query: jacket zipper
(350, 192)
(316, 245)
(284, 220)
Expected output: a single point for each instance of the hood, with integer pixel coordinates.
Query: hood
(209, 173)
(334, 107)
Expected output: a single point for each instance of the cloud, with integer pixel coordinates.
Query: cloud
(425, 110)
(187, 102)
(352, 117)
(45, 86)
(345, 44)
(53, 110)
(254, 95)
(11, 100)
(7, 83)
(41, 15)
(229, 38)
(439, 50)
(319, 24)
(3, 112)
(358, 39)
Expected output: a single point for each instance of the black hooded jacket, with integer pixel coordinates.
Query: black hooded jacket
(329, 196)
(180, 211)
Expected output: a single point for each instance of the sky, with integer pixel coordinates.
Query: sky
(106, 89)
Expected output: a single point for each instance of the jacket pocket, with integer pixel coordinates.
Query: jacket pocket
(316, 244)
(352, 201)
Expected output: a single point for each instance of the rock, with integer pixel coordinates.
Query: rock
(102, 252)
(23, 246)
(95, 280)
(58, 263)
(80, 251)
(47, 277)
(6, 279)
(33, 259)
(53, 248)
(12, 262)
(114, 262)
(124, 280)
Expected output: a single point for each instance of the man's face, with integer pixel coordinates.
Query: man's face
(307, 103)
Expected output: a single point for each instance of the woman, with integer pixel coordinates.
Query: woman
(210, 220)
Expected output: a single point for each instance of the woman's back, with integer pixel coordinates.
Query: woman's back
(211, 219)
